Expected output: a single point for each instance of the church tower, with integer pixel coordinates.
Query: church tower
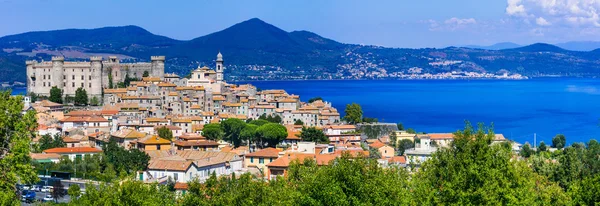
(219, 68)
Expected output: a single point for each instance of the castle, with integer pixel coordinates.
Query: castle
(93, 76)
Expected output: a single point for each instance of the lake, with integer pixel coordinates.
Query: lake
(518, 109)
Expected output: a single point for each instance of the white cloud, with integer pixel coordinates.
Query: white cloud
(451, 24)
(578, 13)
(457, 21)
(542, 22)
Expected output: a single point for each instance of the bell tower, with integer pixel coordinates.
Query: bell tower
(219, 68)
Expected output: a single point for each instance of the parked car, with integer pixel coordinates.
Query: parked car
(36, 188)
(28, 196)
(48, 198)
(26, 187)
(47, 189)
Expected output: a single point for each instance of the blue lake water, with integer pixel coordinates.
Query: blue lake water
(518, 109)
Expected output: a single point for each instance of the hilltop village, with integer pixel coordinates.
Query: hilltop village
(199, 125)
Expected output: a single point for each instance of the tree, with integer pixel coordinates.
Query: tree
(110, 78)
(311, 100)
(374, 153)
(542, 147)
(127, 80)
(33, 97)
(370, 120)
(298, 122)
(411, 131)
(126, 192)
(393, 139)
(259, 122)
(16, 133)
(312, 134)
(270, 118)
(271, 134)
(248, 134)
(472, 171)
(405, 144)
(56, 95)
(74, 191)
(146, 74)
(46, 142)
(94, 101)
(58, 190)
(559, 141)
(81, 97)
(400, 126)
(526, 151)
(232, 128)
(353, 113)
(213, 131)
(58, 141)
(165, 133)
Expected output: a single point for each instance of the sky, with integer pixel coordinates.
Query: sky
(390, 23)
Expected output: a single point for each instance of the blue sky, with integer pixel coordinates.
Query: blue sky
(392, 23)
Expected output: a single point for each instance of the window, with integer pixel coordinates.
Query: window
(90, 85)
(44, 83)
(157, 147)
(72, 84)
(73, 77)
(64, 76)
(81, 84)
(64, 84)
(261, 160)
(271, 159)
(81, 77)
(175, 176)
(90, 77)
(251, 159)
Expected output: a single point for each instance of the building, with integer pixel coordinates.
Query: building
(91, 75)
(384, 150)
(73, 152)
(261, 158)
(152, 142)
(280, 166)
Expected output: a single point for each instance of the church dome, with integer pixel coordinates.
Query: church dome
(219, 57)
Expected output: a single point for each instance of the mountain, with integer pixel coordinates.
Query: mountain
(256, 50)
(580, 45)
(497, 46)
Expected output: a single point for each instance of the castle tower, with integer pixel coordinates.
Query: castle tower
(57, 72)
(30, 76)
(219, 68)
(96, 77)
(157, 66)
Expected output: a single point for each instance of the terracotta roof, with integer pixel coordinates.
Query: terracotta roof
(128, 134)
(154, 119)
(46, 103)
(172, 165)
(195, 143)
(219, 98)
(340, 126)
(180, 186)
(42, 156)
(69, 150)
(435, 136)
(84, 119)
(153, 140)
(171, 127)
(151, 79)
(377, 144)
(267, 152)
(192, 136)
(397, 159)
(284, 161)
(115, 91)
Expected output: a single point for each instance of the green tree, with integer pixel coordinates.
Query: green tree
(248, 134)
(411, 131)
(232, 128)
(127, 192)
(74, 191)
(258, 122)
(471, 171)
(526, 151)
(213, 131)
(165, 133)
(311, 100)
(33, 97)
(393, 139)
(271, 134)
(110, 79)
(354, 113)
(298, 122)
(16, 131)
(559, 141)
(81, 97)
(58, 190)
(542, 147)
(312, 134)
(400, 126)
(405, 144)
(94, 101)
(58, 141)
(369, 120)
(56, 95)
(145, 74)
(46, 142)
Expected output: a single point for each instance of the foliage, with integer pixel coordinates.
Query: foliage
(258, 122)
(403, 145)
(213, 131)
(374, 131)
(270, 118)
(526, 151)
(542, 147)
(311, 100)
(146, 74)
(271, 134)
(165, 133)
(81, 97)
(48, 142)
(559, 141)
(74, 191)
(56, 95)
(127, 81)
(374, 153)
(393, 139)
(298, 122)
(110, 78)
(58, 190)
(354, 113)
(127, 192)
(411, 131)
(94, 101)
(473, 172)
(312, 134)
(232, 128)
(248, 134)
(369, 120)
(16, 132)
(33, 97)
(400, 126)
(130, 161)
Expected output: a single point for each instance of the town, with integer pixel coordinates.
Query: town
(162, 129)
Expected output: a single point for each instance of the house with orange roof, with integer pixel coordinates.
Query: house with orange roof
(90, 123)
(152, 142)
(201, 145)
(384, 150)
(125, 136)
(293, 132)
(45, 158)
(73, 152)
(261, 158)
(76, 141)
(280, 166)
